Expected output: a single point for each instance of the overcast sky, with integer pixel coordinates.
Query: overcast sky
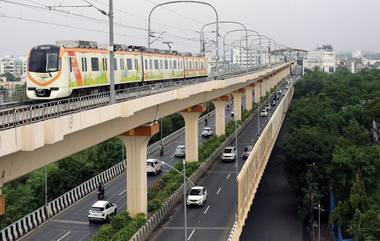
(346, 24)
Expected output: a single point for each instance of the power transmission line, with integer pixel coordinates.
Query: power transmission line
(64, 25)
(146, 20)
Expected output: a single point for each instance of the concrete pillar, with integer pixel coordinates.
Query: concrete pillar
(257, 91)
(248, 97)
(237, 103)
(220, 120)
(191, 117)
(136, 142)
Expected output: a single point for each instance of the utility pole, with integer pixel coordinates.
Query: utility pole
(111, 49)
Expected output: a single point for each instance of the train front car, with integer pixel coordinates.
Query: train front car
(45, 76)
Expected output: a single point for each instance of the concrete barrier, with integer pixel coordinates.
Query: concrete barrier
(251, 173)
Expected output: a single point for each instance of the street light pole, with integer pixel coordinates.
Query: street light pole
(196, 2)
(319, 220)
(46, 197)
(111, 49)
(184, 198)
(183, 173)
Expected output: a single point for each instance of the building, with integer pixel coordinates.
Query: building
(14, 65)
(323, 58)
(357, 54)
(239, 56)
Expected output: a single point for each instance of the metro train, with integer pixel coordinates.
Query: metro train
(75, 68)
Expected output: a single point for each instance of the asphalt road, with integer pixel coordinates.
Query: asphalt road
(214, 220)
(273, 215)
(72, 224)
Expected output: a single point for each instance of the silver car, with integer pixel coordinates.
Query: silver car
(180, 151)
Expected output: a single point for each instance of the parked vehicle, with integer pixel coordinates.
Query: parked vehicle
(180, 151)
(246, 152)
(264, 113)
(153, 166)
(197, 196)
(229, 153)
(207, 132)
(102, 211)
(273, 103)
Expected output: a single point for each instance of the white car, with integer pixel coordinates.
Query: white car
(264, 113)
(207, 132)
(180, 151)
(279, 92)
(268, 107)
(197, 196)
(229, 153)
(153, 166)
(102, 211)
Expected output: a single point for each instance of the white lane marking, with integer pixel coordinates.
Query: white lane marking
(228, 176)
(122, 192)
(64, 236)
(191, 234)
(217, 193)
(198, 228)
(68, 221)
(206, 209)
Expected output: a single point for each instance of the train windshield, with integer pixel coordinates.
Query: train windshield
(44, 59)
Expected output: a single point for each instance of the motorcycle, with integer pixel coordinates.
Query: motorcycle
(100, 194)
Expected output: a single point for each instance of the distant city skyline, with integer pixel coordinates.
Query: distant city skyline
(345, 24)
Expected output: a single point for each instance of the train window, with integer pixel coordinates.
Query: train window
(122, 66)
(156, 64)
(94, 64)
(150, 64)
(170, 64)
(166, 64)
(104, 64)
(51, 62)
(129, 64)
(84, 64)
(71, 64)
(114, 64)
(174, 64)
(136, 64)
(161, 64)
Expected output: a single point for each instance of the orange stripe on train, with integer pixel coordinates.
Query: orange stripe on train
(75, 67)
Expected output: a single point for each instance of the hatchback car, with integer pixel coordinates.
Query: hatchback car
(247, 150)
(229, 153)
(197, 196)
(264, 113)
(153, 166)
(207, 132)
(180, 151)
(102, 211)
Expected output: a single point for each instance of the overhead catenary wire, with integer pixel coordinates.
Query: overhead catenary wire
(146, 20)
(176, 13)
(66, 13)
(3, 15)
